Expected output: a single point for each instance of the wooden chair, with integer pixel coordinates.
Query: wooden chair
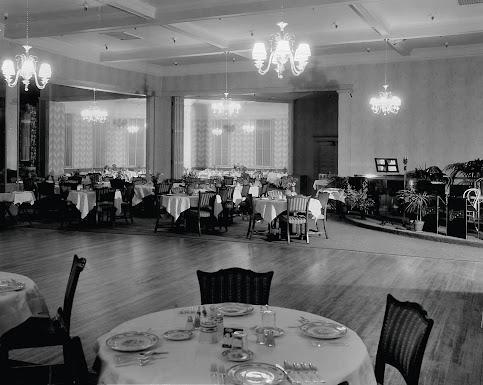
(105, 205)
(405, 333)
(263, 190)
(235, 285)
(228, 180)
(253, 216)
(178, 190)
(127, 196)
(205, 209)
(324, 201)
(41, 331)
(161, 189)
(297, 214)
(29, 184)
(118, 184)
(226, 194)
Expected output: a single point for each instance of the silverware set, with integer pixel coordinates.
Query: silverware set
(218, 374)
(140, 359)
(301, 372)
(328, 343)
(188, 310)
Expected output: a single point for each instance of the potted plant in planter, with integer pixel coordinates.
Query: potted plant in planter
(416, 202)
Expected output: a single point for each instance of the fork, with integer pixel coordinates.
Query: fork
(141, 361)
(309, 372)
(222, 373)
(214, 374)
(314, 369)
(304, 376)
(288, 367)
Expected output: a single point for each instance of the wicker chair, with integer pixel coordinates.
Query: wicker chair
(235, 285)
(297, 214)
(41, 331)
(404, 335)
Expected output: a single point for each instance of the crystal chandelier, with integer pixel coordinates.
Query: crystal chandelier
(26, 67)
(281, 51)
(225, 108)
(132, 129)
(217, 131)
(94, 114)
(386, 102)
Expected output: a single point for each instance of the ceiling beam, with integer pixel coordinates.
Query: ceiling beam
(198, 33)
(400, 46)
(370, 19)
(134, 7)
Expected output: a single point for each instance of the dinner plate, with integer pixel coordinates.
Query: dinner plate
(252, 373)
(277, 332)
(237, 355)
(10, 285)
(232, 309)
(132, 341)
(323, 330)
(178, 335)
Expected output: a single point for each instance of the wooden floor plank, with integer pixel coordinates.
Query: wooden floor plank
(129, 276)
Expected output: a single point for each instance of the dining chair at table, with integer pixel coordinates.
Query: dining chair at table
(42, 331)
(117, 183)
(29, 184)
(297, 214)
(263, 190)
(228, 180)
(234, 285)
(253, 216)
(105, 204)
(244, 193)
(323, 198)
(127, 197)
(226, 195)
(404, 336)
(178, 190)
(205, 209)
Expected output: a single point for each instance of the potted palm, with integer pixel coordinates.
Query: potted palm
(416, 202)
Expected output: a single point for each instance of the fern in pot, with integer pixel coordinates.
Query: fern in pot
(418, 203)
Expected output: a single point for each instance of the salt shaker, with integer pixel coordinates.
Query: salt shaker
(197, 319)
(189, 323)
(269, 338)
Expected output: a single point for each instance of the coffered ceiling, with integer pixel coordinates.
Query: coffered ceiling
(177, 37)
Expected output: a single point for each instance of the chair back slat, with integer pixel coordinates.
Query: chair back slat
(117, 183)
(45, 189)
(404, 336)
(206, 199)
(162, 188)
(245, 189)
(78, 265)
(297, 204)
(226, 193)
(128, 193)
(228, 180)
(264, 189)
(235, 285)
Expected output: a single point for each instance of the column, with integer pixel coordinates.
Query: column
(177, 137)
(344, 158)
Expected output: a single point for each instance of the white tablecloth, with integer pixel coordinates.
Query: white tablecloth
(337, 194)
(17, 306)
(18, 197)
(176, 204)
(141, 191)
(237, 197)
(189, 362)
(85, 201)
(272, 208)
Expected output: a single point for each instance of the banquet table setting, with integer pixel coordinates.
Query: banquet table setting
(257, 345)
(177, 203)
(20, 298)
(85, 201)
(272, 208)
(141, 191)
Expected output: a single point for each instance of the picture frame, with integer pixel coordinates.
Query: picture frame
(386, 165)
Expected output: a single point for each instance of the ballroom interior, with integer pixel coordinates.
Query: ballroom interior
(157, 67)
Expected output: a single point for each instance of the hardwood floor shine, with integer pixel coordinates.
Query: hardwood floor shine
(127, 276)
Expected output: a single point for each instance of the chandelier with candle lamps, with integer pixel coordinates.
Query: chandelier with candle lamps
(94, 114)
(226, 108)
(26, 67)
(281, 51)
(386, 102)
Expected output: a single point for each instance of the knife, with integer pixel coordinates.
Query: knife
(290, 378)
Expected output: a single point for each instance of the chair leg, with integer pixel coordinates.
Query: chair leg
(307, 231)
(288, 231)
(130, 215)
(252, 218)
(325, 229)
(125, 216)
(157, 222)
(199, 226)
(249, 227)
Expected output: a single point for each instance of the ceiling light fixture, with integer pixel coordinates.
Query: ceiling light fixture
(226, 108)
(94, 114)
(132, 129)
(386, 102)
(281, 51)
(26, 67)
(248, 128)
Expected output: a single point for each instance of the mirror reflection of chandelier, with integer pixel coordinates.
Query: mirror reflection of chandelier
(281, 51)
(26, 67)
(132, 129)
(248, 128)
(216, 130)
(226, 108)
(94, 114)
(386, 102)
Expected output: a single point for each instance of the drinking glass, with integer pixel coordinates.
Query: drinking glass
(240, 340)
(269, 318)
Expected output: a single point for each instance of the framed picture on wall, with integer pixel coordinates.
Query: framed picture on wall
(386, 165)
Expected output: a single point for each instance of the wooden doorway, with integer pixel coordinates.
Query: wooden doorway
(326, 153)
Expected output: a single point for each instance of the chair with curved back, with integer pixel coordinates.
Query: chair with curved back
(226, 195)
(404, 336)
(105, 204)
(127, 197)
(118, 184)
(253, 216)
(264, 190)
(242, 206)
(228, 180)
(161, 189)
(235, 285)
(323, 198)
(204, 210)
(41, 331)
(297, 214)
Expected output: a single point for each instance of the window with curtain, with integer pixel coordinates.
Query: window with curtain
(221, 146)
(136, 144)
(68, 140)
(263, 143)
(99, 145)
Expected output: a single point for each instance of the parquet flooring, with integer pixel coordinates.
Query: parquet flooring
(127, 276)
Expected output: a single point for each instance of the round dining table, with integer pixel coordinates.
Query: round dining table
(20, 298)
(189, 361)
(177, 203)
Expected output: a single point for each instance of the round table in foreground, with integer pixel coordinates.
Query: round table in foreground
(189, 362)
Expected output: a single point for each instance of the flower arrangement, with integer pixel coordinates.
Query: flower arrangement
(288, 181)
(358, 198)
(155, 178)
(189, 177)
